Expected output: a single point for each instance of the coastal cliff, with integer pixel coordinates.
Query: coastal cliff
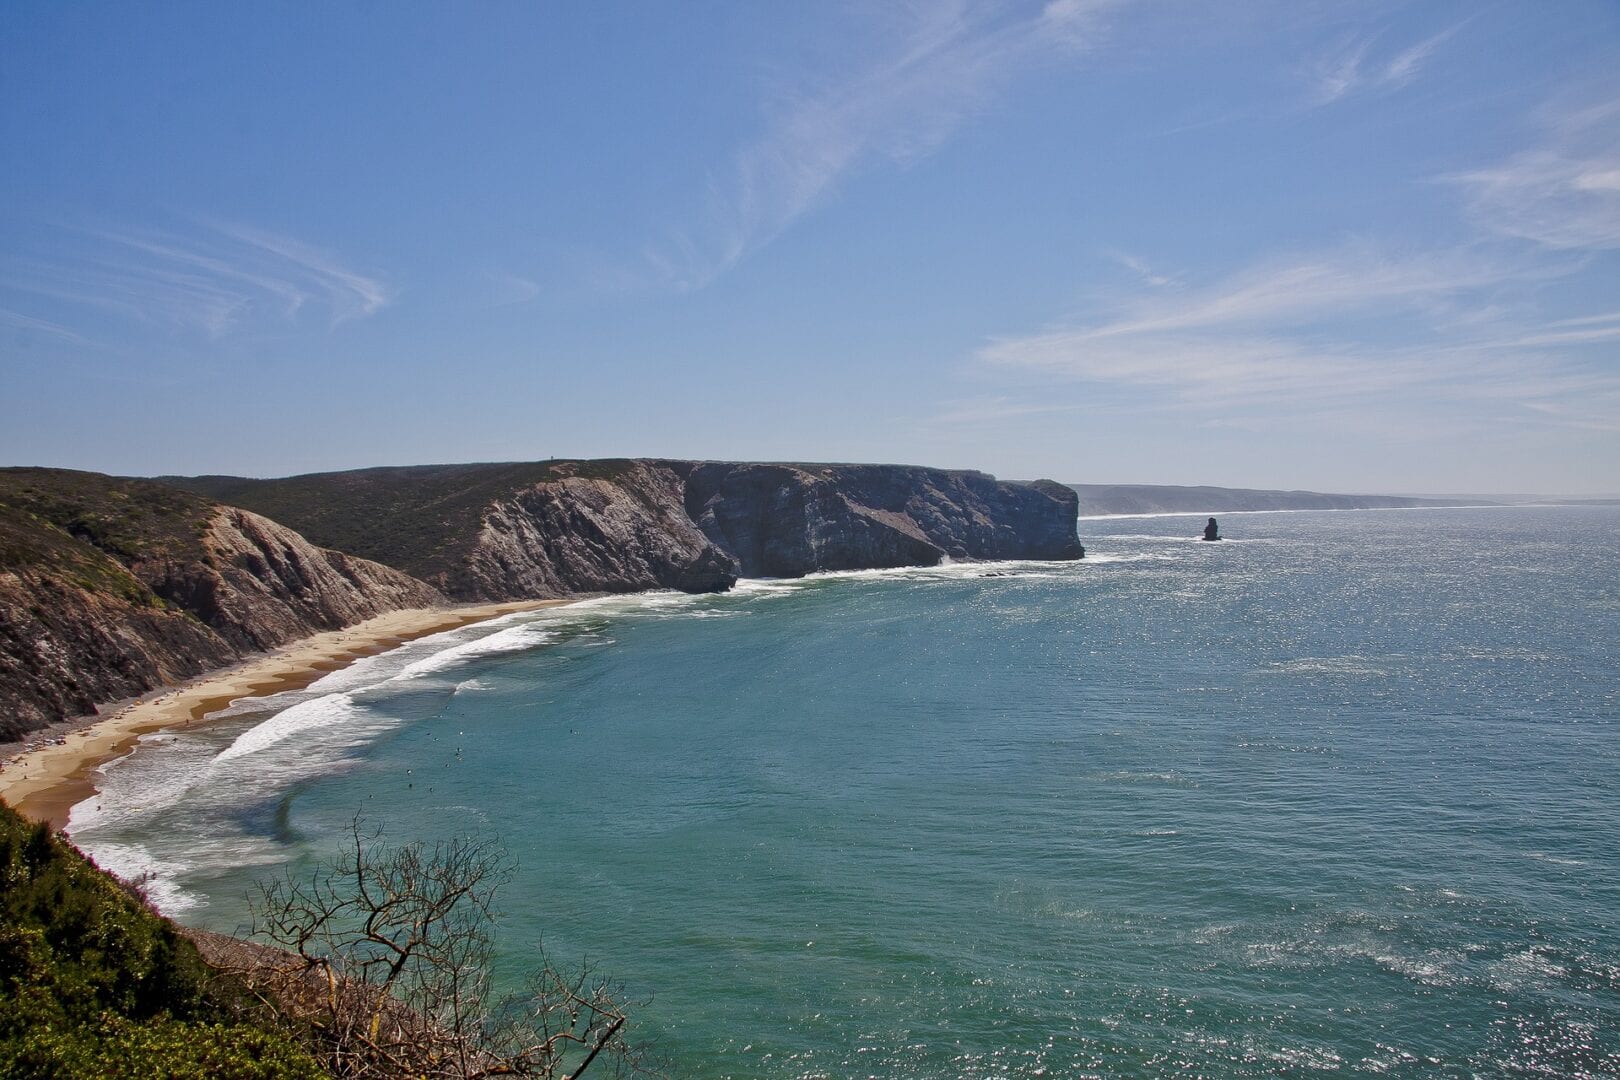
(562, 528)
(790, 520)
(111, 587)
(579, 534)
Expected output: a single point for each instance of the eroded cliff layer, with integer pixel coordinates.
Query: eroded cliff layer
(546, 529)
(790, 520)
(111, 587)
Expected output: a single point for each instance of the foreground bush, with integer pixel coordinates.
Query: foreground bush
(94, 984)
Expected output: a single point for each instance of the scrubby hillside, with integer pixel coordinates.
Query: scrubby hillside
(110, 587)
(96, 986)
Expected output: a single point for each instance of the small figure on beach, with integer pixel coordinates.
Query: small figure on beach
(1212, 531)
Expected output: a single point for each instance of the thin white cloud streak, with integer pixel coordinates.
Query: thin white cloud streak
(350, 294)
(510, 290)
(1583, 419)
(1336, 76)
(1139, 267)
(217, 279)
(17, 320)
(945, 65)
(1305, 290)
(1312, 332)
(1215, 372)
(1349, 71)
(1589, 320)
(987, 410)
(1589, 336)
(1563, 194)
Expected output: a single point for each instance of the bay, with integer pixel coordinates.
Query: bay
(1337, 794)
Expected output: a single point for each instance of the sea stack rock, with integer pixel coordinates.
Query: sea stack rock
(1212, 531)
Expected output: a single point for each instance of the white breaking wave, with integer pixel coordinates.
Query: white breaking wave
(513, 639)
(323, 712)
(949, 570)
(188, 786)
(335, 705)
(1117, 557)
(154, 876)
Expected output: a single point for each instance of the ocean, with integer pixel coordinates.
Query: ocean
(1339, 794)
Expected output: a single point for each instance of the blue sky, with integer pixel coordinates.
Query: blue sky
(1343, 246)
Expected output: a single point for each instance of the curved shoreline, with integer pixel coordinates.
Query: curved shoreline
(46, 782)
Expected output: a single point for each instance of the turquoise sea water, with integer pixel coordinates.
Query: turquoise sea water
(1337, 795)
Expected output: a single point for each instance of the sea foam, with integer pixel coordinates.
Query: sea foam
(323, 712)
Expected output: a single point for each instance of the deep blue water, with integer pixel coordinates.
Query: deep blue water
(1339, 794)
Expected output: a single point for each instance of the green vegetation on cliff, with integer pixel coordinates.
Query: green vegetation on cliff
(28, 543)
(129, 520)
(87, 529)
(94, 984)
(420, 519)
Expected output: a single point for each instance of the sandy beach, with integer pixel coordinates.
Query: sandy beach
(46, 782)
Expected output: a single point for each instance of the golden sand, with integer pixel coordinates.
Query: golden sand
(47, 782)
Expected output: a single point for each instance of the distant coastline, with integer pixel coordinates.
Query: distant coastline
(1323, 510)
(1130, 500)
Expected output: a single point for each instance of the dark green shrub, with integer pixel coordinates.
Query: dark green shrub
(95, 984)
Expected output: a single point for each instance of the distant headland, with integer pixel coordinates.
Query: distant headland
(1098, 500)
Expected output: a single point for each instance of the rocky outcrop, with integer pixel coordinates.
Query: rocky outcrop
(64, 648)
(110, 588)
(790, 520)
(260, 585)
(580, 534)
(559, 528)
(697, 527)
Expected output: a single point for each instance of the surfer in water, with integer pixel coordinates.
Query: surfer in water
(1212, 531)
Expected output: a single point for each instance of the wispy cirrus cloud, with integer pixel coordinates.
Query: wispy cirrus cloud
(935, 66)
(347, 293)
(1296, 291)
(1563, 193)
(16, 320)
(1313, 332)
(1139, 267)
(1359, 66)
(213, 278)
(996, 408)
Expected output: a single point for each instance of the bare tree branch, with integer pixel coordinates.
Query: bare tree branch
(389, 971)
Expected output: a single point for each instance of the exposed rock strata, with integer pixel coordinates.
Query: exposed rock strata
(581, 534)
(789, 520)
(548, 529)
(261, 585)
(63, 649)
(697, 527)
(111, 587)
